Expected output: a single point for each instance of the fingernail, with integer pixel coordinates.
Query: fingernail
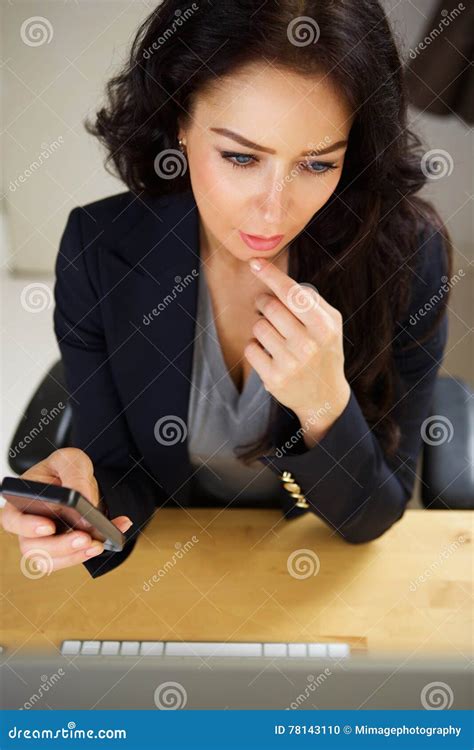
(43, 530)
(255, 265)
(95, 550)
(128, 526)
(79, 542)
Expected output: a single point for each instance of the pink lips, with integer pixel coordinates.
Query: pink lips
(261, 243)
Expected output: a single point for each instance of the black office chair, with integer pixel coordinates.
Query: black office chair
(447, 473)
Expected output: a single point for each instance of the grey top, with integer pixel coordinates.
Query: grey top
(220, 418)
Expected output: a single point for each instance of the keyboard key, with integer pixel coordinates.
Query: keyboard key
(152, 648)
(129, 648)
(110, 648)
(297, 649)
(275, 649)
(90, 648)
(339, 650)
(70, 648)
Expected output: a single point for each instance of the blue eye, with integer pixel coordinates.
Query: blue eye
(325, 167)
(230, 156)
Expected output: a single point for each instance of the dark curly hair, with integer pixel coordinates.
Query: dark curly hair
(361, 248)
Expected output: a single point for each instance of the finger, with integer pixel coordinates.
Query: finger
(27, 524)
(50, 564)
(300, 299)
(57, 545)
(123, 523)
(259, 360)
(270, 339)
(76, 470)
(280, 317)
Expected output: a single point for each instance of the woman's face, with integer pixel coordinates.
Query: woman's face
(249, 155)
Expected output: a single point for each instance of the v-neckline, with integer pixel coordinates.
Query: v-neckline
(239, 398)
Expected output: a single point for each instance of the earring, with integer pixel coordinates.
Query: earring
(181, 145)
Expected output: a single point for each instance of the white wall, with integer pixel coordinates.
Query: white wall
(47, 91)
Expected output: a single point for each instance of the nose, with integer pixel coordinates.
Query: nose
(274, 203)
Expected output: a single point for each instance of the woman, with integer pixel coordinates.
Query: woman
(198, 374)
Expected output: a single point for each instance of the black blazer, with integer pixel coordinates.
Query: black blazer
(124, 318)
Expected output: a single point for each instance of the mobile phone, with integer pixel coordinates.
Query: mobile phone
(65, 506)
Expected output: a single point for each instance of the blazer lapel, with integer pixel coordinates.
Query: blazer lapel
(151, 276)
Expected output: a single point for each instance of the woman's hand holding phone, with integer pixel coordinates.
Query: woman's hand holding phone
(68, 467)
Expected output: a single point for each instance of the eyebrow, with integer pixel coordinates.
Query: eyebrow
(249, 144)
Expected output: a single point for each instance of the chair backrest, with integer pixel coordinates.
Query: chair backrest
(46, 424)
(448, 435)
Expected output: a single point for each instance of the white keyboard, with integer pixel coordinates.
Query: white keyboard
(205, 648)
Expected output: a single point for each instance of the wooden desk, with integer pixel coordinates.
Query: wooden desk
(232, 583)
